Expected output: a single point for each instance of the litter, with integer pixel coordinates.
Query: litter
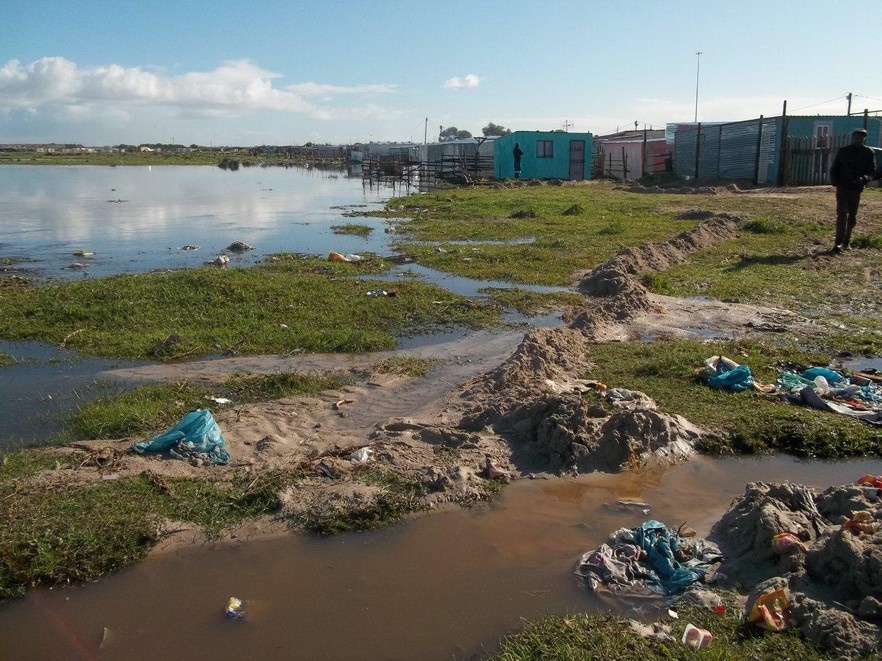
(494, 472)
(197, 437)
(651, 559)
(335, 256)
(786, 541)
(863, 521)
(340, 402)
(220, 400)
(725, 373)
(382, 292)
(870, 480)
(361, 455)
(771, 610)
(235, 608)
(696, 638)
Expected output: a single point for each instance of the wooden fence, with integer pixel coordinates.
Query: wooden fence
(807, 159)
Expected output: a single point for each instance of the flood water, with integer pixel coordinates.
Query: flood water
(443, 586)
(137, 219)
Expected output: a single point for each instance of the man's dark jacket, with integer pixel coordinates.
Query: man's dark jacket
(851, 165)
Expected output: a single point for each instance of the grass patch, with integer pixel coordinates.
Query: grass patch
(873, 241)
(149, 409)
(748, 422)
(6, 360)
(532, 303)
(765, 226)
(396, 496)
(353, 230)
(78, 534)
(280, 308)
(551, 244)
(612, 228)
(596, 635)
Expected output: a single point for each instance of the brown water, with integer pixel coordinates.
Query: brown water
(436, 587)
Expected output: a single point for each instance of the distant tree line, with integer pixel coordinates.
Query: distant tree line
(453, 133)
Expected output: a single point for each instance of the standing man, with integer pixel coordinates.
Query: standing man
(517, 152)
(853, 167)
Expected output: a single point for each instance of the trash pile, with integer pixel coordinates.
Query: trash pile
(197, 438)
(813, 560)
(647, 561)
(857, 395)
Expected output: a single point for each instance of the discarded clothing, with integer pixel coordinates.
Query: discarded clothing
(650, 559)
(196, 436)
(725, 373)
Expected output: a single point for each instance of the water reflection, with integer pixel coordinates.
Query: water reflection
(136, 219)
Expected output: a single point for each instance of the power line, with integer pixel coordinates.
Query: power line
(821, 103)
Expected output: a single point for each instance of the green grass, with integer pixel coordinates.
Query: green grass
(554, 231)
(288, 305)
(748, 422)
(6, 360)
(596, 635)
(532, 303)
(150, 409)
(397, 496)
(77, 534)
(353, 230)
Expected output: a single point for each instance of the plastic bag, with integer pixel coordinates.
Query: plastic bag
(785, 541)
(771, 610)
(196, 433)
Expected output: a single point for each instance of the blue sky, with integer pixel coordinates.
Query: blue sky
(255, 72)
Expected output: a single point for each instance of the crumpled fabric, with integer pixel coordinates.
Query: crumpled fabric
(196, 436)
(725, 373)
(643, 560)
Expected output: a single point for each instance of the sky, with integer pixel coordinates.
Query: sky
(255, 72)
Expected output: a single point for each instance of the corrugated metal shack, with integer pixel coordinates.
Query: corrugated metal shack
(784, 150)
(630, 154)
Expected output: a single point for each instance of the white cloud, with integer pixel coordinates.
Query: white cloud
(457, 83)
(235, 88)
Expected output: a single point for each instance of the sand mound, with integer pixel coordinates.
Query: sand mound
(617, 275)
(833, 575)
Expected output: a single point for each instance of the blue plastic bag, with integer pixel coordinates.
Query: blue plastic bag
(830, 375)
(196, 434)
(736, 379)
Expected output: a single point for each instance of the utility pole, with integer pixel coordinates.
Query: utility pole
(697, 71)
(848, 96)
(426, 132)
(566, 125)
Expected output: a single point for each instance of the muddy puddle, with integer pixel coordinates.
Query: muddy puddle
(442, 586)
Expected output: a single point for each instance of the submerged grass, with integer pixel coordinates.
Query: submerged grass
(289, 305)
(601, 635)
(746, 422)
(352, 229)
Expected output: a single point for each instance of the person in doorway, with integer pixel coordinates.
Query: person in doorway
(517, 152)
(853, 167)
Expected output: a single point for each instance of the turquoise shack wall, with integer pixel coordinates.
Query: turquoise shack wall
(557, 167)
(805, 125)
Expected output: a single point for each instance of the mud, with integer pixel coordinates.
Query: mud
(522, 403)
